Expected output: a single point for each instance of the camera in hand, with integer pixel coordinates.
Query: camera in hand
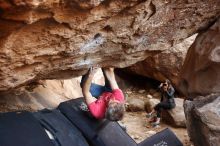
(165, 84)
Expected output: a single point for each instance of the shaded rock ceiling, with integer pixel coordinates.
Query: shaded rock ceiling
(48, 39)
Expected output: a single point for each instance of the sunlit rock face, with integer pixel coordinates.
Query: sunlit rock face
(40, 95)
(48, 39)
(201, 71)
(44, 94)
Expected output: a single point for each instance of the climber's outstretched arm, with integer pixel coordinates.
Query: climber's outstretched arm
(86, 87)
(109, 72)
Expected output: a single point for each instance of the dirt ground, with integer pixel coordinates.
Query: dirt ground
(139, 128)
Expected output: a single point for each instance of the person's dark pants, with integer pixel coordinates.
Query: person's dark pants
(95, 89)
(162, 106)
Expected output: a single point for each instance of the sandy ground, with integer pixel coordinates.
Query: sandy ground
(139, 128)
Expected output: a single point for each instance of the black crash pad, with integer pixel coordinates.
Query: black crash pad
(63, 131)
(106, 133)
(22, 129)
(113, 135)
(98, 132)
(163, 138)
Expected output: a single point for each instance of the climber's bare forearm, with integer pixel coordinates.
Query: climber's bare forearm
(113, 84)
(89, 98)
(86, 87)
(111, 78)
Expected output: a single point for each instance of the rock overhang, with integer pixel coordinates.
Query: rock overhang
(62, 39)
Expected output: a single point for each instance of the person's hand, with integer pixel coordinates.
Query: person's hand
(92, 71)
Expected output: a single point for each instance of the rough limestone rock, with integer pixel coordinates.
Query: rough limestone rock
(149, 96)
(44, 94)
(157, 95)
(201, 76)
(150, 104)
(53, 39)
(135, 104)
(201, 71)
(40, 95)
(165, 65)
(203, 120)
(176, 116)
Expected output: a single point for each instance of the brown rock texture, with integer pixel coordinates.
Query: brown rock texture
(48, 39)
(44, 94)
(150, 104)
(164, 65)
(203, 120)
(176, 116)
(135, 105)
(40, 95)
(201, 71)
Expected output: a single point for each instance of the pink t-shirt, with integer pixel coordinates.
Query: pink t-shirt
(98, 107)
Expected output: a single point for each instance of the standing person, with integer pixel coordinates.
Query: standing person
(167, 101)
(103, 101)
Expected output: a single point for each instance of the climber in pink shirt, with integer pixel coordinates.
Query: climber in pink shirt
(110, 102)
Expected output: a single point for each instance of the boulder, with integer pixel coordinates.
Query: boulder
(152, 91)
(37, 96)
(150, 104)
(135, 104)
(141, 91)
(44, 94)
(60, 39)
(149, 96)
(199, 80)
(201, 70)
(176, 116)
(157, 95)
(203, 120)
(164, 65)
